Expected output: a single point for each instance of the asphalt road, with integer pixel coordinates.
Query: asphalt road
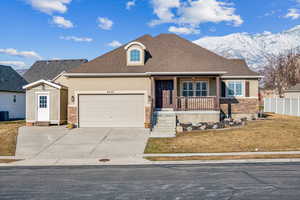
(247, 181)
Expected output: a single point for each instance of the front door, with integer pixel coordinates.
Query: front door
(164, 93)
(43, 108)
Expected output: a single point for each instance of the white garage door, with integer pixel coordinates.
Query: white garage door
(111, 111)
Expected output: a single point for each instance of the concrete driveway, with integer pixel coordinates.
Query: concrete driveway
(81, 143)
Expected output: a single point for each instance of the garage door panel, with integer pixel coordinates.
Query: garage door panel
(111, 110)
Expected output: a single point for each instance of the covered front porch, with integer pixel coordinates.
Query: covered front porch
(186, 93)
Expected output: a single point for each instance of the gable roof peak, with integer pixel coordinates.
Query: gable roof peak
(10, 80)
(166, 52)
(5, 66)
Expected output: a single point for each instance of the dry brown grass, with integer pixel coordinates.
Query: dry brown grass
(8, 160)
(276, 133)
(241, 157)
(8, 137)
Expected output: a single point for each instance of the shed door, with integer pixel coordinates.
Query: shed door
(43, 108)
(111, 110)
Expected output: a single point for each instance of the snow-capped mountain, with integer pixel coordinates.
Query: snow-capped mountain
(254, 47)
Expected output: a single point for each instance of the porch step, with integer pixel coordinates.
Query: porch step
(164, 124)
(164, 130)
(42, 123)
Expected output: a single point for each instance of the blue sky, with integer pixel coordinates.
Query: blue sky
(67, 29)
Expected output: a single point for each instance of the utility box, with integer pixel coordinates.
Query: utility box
(4, 115)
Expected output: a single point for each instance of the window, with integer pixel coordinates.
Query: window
(15, 98)
(197, 89)
(235, 88)
(135, 55)
(201, 89)
(187, 89)
(43, 101)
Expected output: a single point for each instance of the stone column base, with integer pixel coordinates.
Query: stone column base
(72, 115)
(29, 124)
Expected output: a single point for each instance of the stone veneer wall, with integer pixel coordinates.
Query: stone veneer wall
(239, 108)
(148, 116)
(72, 115)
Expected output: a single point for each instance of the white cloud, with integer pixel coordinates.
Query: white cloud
(19, 64)
(50, 6)
(114, 44)
(130, 4)
(183, 30)
(76, 39)
(25, 54)
(203, 11)
(105, 23)
(293, 13)
(163, 10)
(193, 13)
(62, 22)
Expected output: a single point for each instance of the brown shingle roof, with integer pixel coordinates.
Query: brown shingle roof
(166, 53)
(49, 69)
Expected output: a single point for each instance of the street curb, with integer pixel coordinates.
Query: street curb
(147, 163)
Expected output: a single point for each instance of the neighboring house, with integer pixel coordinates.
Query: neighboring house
(12, 96)
(293, 92)
(49, 69)
(134, 84)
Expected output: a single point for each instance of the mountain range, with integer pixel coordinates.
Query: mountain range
(253, 47)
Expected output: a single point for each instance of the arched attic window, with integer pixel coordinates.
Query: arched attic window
(135, 52)
(135, 55)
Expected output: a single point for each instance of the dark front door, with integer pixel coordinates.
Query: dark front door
(164, 93)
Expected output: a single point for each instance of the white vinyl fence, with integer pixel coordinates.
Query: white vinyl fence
(282, 106)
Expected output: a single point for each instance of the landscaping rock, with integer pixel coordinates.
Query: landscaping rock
(179, 129)
(204, 127)
(189, 128)
(215, 126)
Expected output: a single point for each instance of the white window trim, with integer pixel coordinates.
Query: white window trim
(194, 87)
(243, 88)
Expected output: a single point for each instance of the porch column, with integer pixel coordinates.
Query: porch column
(175, 93)
(218, 91)
(153, 92)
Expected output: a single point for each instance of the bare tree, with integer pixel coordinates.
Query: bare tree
(282, 71)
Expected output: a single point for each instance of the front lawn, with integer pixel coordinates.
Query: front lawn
(239, 157)
(8, 137)
(276, 133)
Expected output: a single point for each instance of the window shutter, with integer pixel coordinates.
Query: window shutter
(247, 89)
(223, 88)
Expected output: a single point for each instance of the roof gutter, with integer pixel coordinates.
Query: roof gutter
(292, 91)
(242, 76)
(140, 74)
